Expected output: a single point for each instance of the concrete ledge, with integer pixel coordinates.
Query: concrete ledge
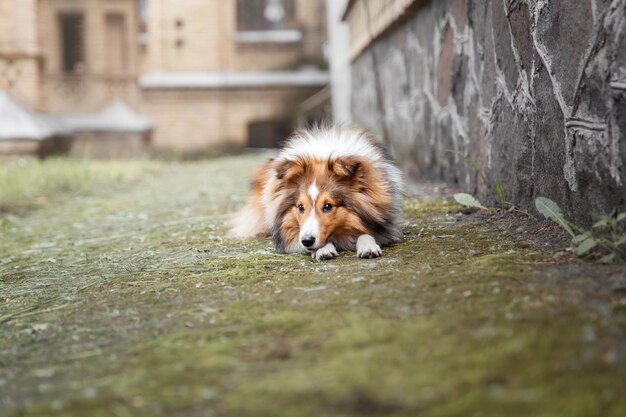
(268, 36)
(223, 80)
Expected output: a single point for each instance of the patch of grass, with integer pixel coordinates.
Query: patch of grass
(135, 304)
(30, 182)
(226, 148)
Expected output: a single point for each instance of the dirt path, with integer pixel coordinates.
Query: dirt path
(130, 302)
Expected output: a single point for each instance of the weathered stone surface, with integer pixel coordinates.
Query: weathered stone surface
(459, 80)
(565, 33)
(444, 67)
(514, 164)
(532, 92)
(505, 56)
(460, 13)
(550, 145)
(487, 70)
(364, 94)
(521, 26)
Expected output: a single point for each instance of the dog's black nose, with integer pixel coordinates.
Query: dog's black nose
(308, 241)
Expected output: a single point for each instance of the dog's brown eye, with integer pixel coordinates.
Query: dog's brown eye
(300, 208)
(327, 207)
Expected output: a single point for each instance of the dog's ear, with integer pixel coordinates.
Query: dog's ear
(281, 168)
(345, 167)
(289, 171)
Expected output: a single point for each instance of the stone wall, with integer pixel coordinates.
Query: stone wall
(528, 92)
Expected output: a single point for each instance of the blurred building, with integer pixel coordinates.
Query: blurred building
(206, 72)
(69, 55)
(218, 70)
(26, 132)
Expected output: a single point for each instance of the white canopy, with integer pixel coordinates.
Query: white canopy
(18, 122)
(117, 117)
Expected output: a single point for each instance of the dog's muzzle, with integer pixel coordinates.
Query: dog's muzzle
(308, 242)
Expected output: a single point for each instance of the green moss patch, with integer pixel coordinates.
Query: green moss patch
(128, 300)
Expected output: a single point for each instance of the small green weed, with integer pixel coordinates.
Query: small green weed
(498, 187)
(468, 200)
(500, 193)
(606, 239)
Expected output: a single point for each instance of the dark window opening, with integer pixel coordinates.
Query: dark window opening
(268, 133)
(265, 14)
(72, 42)
(142, 13)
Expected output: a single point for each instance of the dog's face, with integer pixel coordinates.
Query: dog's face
(318, 214)
(320, 208)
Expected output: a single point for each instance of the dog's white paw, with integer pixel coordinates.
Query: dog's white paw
(366, 247)
(325, 253)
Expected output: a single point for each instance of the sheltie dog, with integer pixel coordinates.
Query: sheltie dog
(328, 190)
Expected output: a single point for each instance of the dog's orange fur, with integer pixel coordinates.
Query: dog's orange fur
(364, 198)
(336, 181)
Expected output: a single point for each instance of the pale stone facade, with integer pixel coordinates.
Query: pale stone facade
(20, 51)
(202, 35)
(200, 39)
(31, 53)
(198, 118)
(68, 56)
(111, 64)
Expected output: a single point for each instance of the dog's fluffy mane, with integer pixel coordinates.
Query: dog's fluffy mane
(361, 171)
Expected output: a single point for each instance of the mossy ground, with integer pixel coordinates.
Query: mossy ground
(128, 300)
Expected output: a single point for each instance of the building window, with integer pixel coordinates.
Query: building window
(265, 15)
(142, 10)
(142, 13)
(72, 29)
